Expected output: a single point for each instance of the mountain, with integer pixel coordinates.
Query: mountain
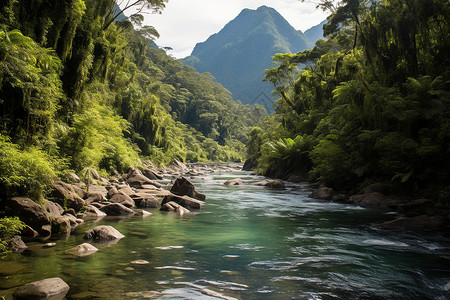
(315, 33)
(238, 55)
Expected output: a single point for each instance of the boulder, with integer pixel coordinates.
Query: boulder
(62, 226)
(46, 230)
(183, 187)
(112, 191)
(18, 245)
(64, 194)
(418, 223)
(125, 190)
(54, 209)
(92, 211)
(143, 200)
(97, 191)
(151, 174)
(185, 201)
(54, 288)
(375, 188)
(123, 199)
(324, 192)
(29, 233)
(70, 211)
(84, 249)
(117, 209)
(142, 213)
(374, 200)
(272, 183)
(29, 212)
(416, 208)
(73, 178)
(248, 165)
(175, 163)
(138, 180)
(236, 181)
(103, 233)
(173, 206)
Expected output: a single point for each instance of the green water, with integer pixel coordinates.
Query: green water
(247, 242)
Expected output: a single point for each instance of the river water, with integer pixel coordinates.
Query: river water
(247, 242)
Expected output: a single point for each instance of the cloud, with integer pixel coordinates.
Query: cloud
(185, 23)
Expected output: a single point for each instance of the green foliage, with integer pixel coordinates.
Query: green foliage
(9, 227)
(27, 172)
(375, 96)
(30, 88)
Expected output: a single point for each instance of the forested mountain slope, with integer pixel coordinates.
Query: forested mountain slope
(238, 55)
(82, 89)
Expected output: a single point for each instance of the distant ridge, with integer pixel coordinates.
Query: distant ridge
(238, 55)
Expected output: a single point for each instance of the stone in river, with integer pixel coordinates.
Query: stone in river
(139, 262)
(236, 181)
(84, 249)
(103, 233)
(54, 288)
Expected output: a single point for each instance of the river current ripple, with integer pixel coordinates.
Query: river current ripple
(250, 242)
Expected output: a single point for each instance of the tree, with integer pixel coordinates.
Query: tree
(139, 6)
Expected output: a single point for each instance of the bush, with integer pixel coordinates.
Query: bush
(26, 172)
(9, 227)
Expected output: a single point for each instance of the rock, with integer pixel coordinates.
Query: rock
(97, 192)
(29, 212)
(374, 200)
(73, 178)
(92, 211)
(139, 262)
(183, 187)
(248, 165)
(150, 174)
(65, 194)
(416, 208)
(46, 230)
(185, 201)
(70, 211)
(173, 206)
(236, 181)
(18, 245)
(142, 213)
(54, 209)
(29, 233)
(272, 183)
(125, 190)
(62, 226)
(143, 200)
(112, 191)
(103, 233)
(49, 245)
(123, 199)
(54, 288)
(178, 165)
(82, 250)
(325, 193)
(139, 180)
(418, 223)
(375, 188)
(117, 209)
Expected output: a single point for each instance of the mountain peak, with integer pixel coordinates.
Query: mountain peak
(238, 55)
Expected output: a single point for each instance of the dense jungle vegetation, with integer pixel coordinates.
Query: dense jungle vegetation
(81, 87)
(369, 104)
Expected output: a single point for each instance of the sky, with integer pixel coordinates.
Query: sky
(184, 23)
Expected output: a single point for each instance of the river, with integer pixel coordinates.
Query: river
(247, 242)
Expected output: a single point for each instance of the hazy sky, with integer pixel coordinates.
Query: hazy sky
(183, 23)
